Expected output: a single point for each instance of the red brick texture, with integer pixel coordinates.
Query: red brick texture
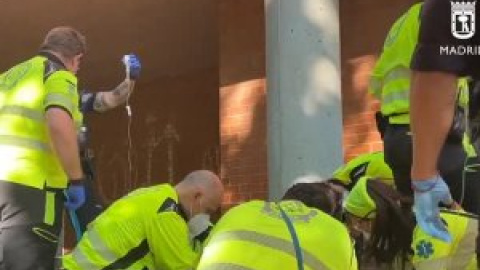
(363, 25)
(242, 101)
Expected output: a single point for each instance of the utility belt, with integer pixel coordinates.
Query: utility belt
(455, 134)
(384, 121)
(401, 118)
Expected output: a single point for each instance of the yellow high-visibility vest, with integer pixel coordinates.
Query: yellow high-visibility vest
(143, 230)
(254, 236)
(432, 253)
(27, 157)
(390, 79)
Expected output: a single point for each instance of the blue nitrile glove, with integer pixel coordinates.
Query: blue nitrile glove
(132, 66)
(428, 194)
(75, 193)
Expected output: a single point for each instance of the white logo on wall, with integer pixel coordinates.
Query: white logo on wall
(463, 19)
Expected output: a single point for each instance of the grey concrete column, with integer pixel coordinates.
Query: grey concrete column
(304, 94)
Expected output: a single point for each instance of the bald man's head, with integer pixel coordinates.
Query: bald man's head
(200, 192)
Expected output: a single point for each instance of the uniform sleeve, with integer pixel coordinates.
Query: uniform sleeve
(61, 91)
(350, 173)
(435, 36)
(342, 174)
(168, 240)
(86, 102)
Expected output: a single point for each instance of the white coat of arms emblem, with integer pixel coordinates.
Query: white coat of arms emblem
(463, 19)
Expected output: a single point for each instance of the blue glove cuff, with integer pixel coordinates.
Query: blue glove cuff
(425, 185)
(77, 182)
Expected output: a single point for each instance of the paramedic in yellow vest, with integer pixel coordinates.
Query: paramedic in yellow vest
(369, 164)
(299, 232)
(390, 83)
(151, 228)
(386, 218)
(39, 158)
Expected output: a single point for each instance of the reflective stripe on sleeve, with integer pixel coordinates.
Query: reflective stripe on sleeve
(59, 99)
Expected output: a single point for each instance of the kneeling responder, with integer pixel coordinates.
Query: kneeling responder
(151, 228)
(299, 232)
(385, 217)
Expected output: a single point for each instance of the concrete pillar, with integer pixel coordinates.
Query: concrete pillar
(303, 90)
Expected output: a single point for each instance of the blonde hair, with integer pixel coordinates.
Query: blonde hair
(64, 40)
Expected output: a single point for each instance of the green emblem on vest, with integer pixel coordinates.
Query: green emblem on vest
(424, 249)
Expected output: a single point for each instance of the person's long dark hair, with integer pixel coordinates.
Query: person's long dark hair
(392, 229)
(325, 196)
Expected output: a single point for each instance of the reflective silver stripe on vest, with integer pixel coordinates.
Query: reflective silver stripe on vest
(376, 87)
(60, 99)
(82, 261)
(22, 111)
(377, 84)
(24, 142)
(466, 247)
(397, 73)
(395, 96)
(269, 241)
(99, 248)
(226, 266)
(439, 263)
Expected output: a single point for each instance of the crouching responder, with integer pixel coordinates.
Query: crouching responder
(369, 164)
(151, 228)
(99, 102)
(385, 217)
(300, 232)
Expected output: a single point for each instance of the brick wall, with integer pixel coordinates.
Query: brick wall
(360, 132)
(364, 25)
(242, 100)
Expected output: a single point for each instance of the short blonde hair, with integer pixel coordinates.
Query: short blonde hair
(64, 40)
